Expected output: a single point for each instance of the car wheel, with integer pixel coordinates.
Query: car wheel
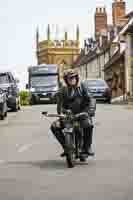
(108, 101)
(32, 102)
(5, 114)
(2, 117)
(15, 107)
(19, 107)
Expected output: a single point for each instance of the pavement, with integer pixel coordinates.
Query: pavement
(31, 169)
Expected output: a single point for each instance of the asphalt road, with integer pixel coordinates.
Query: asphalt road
(31, 169)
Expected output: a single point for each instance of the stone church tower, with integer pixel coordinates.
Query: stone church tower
(63, 51)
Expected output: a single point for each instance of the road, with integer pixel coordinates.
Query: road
(31, 169)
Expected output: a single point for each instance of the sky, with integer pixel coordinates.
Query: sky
(19, 19)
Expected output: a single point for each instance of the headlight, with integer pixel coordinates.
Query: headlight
(55, 89)
(9, 90)
(1, 99)
(32, 89)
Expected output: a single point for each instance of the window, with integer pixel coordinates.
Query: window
(4, 78)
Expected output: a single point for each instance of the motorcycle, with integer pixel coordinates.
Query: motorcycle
(3, 104)
(73, 135)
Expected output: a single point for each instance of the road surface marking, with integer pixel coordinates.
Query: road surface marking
(28, 146)
(2, 161)
(25, 147)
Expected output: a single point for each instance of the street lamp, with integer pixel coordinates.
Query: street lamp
(86, 71)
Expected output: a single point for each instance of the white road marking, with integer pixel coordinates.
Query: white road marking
(25, 147)
(28, 146)
(2, 161)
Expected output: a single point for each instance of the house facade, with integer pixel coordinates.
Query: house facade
(111, 58)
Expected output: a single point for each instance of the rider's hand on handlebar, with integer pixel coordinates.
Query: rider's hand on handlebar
(67, 111)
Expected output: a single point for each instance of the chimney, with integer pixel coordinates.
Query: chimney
(118, 10)
(100, 21)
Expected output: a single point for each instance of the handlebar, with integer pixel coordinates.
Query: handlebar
(52, 114)
(1, 90)
(76, 116)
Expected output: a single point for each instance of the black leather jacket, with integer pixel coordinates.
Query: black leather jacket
(78, 99)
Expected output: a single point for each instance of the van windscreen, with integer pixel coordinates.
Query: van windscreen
(4, 79)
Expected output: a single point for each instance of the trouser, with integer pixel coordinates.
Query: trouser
(87, 136)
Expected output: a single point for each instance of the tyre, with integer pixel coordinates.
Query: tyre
(4, 111)
(5, 114)
(16, 105)
(69, 150)
(19, 105)
(15, 108)
(2, 117)
(108, 101)
(32, 101)
(82, 159)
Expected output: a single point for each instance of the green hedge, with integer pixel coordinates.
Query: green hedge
(24, 98)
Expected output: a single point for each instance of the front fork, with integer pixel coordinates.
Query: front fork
(78, 142)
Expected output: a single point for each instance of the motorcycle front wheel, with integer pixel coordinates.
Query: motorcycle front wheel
(69, 150)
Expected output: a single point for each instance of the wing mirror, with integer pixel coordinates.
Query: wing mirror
(27, 86)
(17, 80)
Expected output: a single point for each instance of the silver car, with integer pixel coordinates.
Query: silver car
(99, 89)
(9, 84)
(3, 104)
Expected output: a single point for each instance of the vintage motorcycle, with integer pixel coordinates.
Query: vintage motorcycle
(73, 135)
(3, 104)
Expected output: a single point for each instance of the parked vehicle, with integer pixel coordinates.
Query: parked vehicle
(99, 89)
(42, 83)
(73, 135)
(8, 83)
(3, 104)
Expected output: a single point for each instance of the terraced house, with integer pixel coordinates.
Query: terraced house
(110, 55)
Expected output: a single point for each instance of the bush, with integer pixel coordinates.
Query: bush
(24, 98)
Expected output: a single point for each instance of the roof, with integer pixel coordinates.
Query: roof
(2, 71)
(114, 58)
(130, 14)
(124, 30)
(84, 59)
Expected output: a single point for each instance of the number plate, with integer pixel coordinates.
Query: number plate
(98, 95)
(44, 99)
(68, 130)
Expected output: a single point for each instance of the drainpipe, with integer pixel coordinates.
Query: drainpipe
(86, 72)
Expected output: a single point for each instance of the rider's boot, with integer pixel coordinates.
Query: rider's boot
(87, 146)
(60, 137)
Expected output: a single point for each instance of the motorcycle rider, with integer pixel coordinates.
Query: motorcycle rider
(75, 96)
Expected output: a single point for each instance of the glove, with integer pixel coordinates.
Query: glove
(66, 111)
(91, 112)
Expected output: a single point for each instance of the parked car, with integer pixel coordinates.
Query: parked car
(99, 89)
(8, 83)
(3, 104)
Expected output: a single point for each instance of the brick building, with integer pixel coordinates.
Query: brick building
(112, 57)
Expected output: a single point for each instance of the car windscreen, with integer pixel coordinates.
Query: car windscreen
(4, 78)
(43, 80)
(95, 83)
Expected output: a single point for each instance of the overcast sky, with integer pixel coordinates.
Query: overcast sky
(19, 18)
